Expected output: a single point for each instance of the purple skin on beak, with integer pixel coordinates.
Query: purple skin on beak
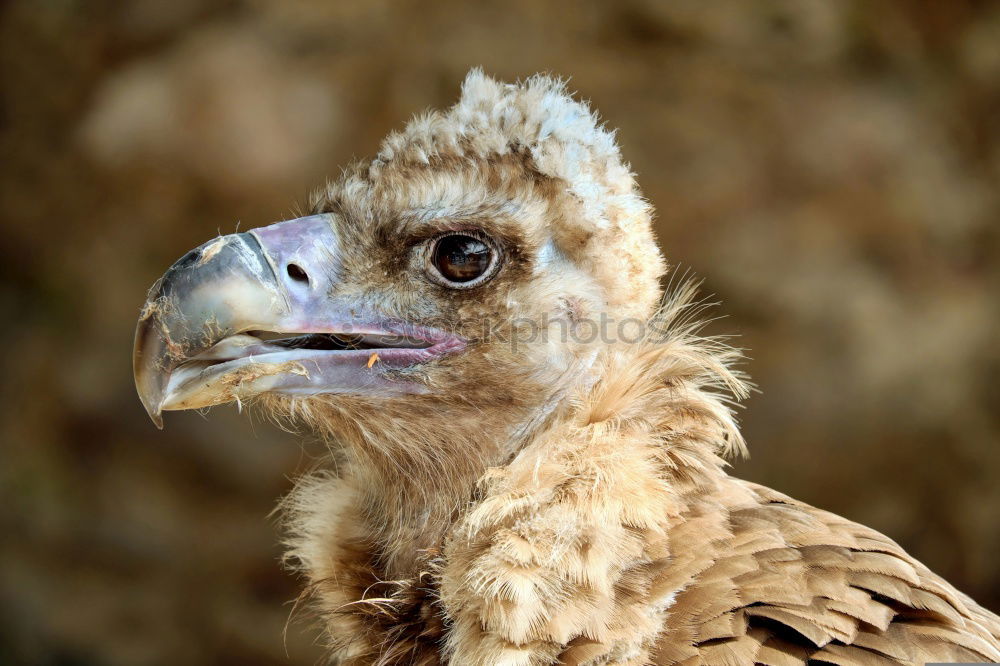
(193, 342)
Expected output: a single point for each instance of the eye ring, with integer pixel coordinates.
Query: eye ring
(461, 259)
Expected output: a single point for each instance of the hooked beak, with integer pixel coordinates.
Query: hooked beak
(200, 339)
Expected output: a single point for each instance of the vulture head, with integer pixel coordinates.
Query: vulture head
(528, 454)
(439, 302)
(482, 289)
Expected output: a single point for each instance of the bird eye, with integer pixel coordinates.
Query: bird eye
(461, 260)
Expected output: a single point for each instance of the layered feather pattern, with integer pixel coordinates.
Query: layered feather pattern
(570, 503)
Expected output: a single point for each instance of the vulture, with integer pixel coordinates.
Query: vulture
(528, 437)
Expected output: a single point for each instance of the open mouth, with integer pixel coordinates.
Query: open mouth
(342, 341)
(265, 343)
(305, 364)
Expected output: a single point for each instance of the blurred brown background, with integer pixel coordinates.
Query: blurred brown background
(830, 168)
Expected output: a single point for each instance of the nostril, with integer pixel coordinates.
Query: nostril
(296, 273)
(188, 258)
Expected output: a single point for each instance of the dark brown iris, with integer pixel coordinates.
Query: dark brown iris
(461, 258)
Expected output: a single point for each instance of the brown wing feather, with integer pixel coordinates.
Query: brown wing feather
(788, 584)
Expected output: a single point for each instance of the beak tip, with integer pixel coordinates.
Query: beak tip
(149, 383)
(155, 414)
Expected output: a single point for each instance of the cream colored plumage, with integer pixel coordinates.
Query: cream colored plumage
(618, 538)
(551, 499)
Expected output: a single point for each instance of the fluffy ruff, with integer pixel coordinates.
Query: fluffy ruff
(616, 537)
(565, 503)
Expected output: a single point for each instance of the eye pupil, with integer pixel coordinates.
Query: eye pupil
(461, 258)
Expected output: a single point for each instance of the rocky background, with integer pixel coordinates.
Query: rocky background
(830, 168)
